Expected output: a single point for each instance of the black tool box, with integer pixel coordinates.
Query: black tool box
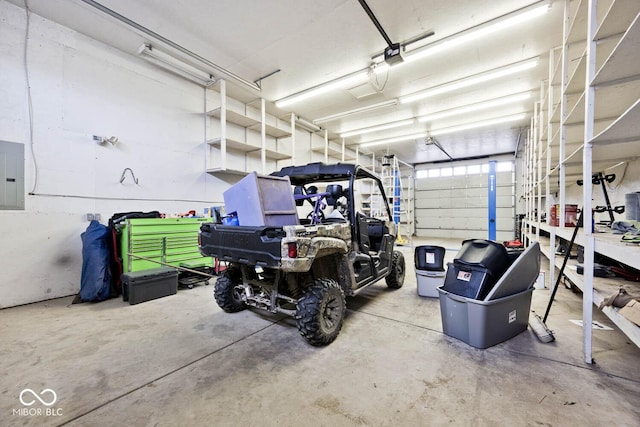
(145, 285)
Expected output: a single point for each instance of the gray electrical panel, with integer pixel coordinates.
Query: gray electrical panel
(11, 175)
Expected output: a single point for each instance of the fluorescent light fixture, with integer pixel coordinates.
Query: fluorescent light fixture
(356, 111)
(175, 66)
(484, 105)
(471, 81)
(394, 139)
(490, 27)
(505, 100)
(345, 81)
(422, 51)
(475, 125)
(443, 131)
(385, 126)
(380, 67)
(307, 125)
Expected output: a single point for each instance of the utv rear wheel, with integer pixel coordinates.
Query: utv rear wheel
(227, 293)
(320, 312)
(395, 279)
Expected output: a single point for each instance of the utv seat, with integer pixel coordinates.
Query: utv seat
(376, 232)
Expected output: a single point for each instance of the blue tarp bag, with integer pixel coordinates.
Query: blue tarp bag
(95, 283)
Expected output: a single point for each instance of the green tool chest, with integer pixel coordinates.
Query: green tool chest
(172, 241)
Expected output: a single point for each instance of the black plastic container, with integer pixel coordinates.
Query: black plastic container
(476, 268)
(484, 254)
(513, 254)
(430, 258)
(468, 281)
(145, 285)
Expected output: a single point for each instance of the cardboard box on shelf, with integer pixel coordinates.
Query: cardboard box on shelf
(570, 215)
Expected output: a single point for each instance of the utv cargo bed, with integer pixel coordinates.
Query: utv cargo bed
(258, 246)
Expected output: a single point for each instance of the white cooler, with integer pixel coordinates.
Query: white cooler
(429, 281)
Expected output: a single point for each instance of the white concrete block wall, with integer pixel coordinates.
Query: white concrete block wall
(80, 88)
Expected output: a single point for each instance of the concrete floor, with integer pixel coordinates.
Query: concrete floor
(181, 361)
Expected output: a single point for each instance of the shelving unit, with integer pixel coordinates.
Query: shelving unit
(240, 119)
(335, 151)
(587, 120)
(245, 138)
(602, 287)
(397, 180)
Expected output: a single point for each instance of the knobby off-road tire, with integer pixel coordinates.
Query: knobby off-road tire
(225, 292)
(395, 279)
(320, 312)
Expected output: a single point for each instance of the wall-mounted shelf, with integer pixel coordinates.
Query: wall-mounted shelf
(274, 131)
(578, 20)
(616, 20)
(219, 171)
(331, 149)
(233, 144)
(234, 117)
(334, 151)
(606, 112)
(624, 60)
(625, 128)
(610, 246)
(575, 83)
(246, 147)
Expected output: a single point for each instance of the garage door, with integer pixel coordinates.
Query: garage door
(453, 201)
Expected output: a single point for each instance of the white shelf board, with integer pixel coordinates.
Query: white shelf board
(576, 81)
(555, 115)
(555, 138)
(605, 156)
(276, 155)
(611, 246)
(612, 101)
(545, 133)
(578, 26)
(606, 244)
(220, 171)
(271, 130)
(248, 148)
(234, 117)
(576, 114)
(625, 128)
(349, 156)
(617, 19)
(624, 61)
(577, 151)
(602, 287)
(233, 145)
(331, 150)
(556, 76)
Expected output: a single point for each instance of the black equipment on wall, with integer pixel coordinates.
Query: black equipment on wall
(599, 179)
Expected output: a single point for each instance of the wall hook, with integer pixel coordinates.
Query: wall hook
(124, 176)
(103, 140)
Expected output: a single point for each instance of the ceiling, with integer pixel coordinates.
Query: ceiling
(314, 41)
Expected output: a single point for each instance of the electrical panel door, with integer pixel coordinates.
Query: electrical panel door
(11, 175)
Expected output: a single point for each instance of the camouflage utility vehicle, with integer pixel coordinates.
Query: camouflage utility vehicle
(343, 243)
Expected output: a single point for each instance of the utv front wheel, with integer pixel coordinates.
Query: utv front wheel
(395, 279)
(320, 312)
(227, 293)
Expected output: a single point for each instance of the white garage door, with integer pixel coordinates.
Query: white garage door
(454, 201)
